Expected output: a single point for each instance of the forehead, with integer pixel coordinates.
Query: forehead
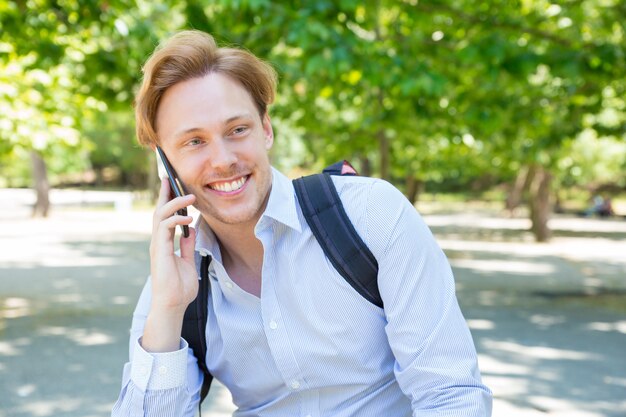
(200, 102)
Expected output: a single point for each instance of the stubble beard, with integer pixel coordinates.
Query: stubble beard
(254, 204)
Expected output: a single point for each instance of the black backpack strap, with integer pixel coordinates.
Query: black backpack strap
(327, 218)
(194, 325)
(340, 168)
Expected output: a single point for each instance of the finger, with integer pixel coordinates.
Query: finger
(165, 230)
(170, 223)
(164, 192)
(171, 207)
(188, 246)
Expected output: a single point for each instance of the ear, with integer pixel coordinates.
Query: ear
(269, 132)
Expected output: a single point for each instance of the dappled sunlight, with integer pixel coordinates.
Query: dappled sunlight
(529, 349)
(618, 326)
(121, 300)
(68, 298)
(492, 366)
(219, 402)
(493, 220)
(50, 407)
(539, 352)
(476, 324)
(615, 381)
(496, 266)
(8, 349)
(488, 298)
(557, 406)
(521, 388)
(81, 337)
(566, 248)
(93, 339)
(14, 347)
(14, 307)
(478, 220)
(47, 251)
(25, 390)
(544, 320)
(62, 284)
(59, 241)
(522, 406)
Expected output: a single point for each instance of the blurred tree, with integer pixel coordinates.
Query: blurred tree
(415, 91)
(428, 90)
(504, 85)
(61, 66)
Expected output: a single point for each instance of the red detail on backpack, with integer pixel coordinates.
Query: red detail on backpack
(348, 169)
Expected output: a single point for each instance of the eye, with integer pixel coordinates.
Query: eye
(194, 142)
(239, 130)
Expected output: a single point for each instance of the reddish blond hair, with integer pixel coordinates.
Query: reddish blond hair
(194, 54)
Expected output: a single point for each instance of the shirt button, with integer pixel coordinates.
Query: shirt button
(229, 285)
(144, 370)
(273, 325)
(162, 370)
(295, 384)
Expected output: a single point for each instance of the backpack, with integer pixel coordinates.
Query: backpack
(342, 245)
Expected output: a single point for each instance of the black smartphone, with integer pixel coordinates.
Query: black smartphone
(178, 190)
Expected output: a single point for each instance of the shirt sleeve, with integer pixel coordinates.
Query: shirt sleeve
(157, 384)
(436, 362)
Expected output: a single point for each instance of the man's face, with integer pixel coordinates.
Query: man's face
(212, 133)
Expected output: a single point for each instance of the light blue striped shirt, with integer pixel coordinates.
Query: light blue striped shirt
(311, 346)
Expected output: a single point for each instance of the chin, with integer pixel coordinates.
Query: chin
(234, 216)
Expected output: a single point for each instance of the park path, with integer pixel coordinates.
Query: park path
(549, 320)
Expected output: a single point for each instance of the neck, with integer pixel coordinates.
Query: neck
(242, 255)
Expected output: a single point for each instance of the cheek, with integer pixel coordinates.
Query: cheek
(190, 169)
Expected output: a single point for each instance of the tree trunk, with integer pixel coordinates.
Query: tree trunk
(99, 176)
(539, 203)
(516, 192)
(414, 188)
(42, 187)
(365, 167)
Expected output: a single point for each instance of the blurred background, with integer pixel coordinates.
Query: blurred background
(503, 121)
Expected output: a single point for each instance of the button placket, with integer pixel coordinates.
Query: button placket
(276, 332)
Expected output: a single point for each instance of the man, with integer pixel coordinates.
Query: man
(286, 334)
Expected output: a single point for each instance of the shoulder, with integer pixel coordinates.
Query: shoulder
(373, 197)
(366, 189)
(376, 208)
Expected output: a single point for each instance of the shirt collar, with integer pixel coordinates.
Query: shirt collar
(206, 241)
(281, 207)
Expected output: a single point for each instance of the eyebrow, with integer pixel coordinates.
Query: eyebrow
(231, 119)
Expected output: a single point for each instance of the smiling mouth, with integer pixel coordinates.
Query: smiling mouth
(229, 186)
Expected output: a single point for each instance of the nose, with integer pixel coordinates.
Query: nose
(222, 156)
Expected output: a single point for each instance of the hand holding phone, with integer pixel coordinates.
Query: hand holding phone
(175, 184)
(173, 275)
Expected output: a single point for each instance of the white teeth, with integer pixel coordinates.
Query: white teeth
(228, 187)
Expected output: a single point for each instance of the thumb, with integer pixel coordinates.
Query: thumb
(188, 246)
